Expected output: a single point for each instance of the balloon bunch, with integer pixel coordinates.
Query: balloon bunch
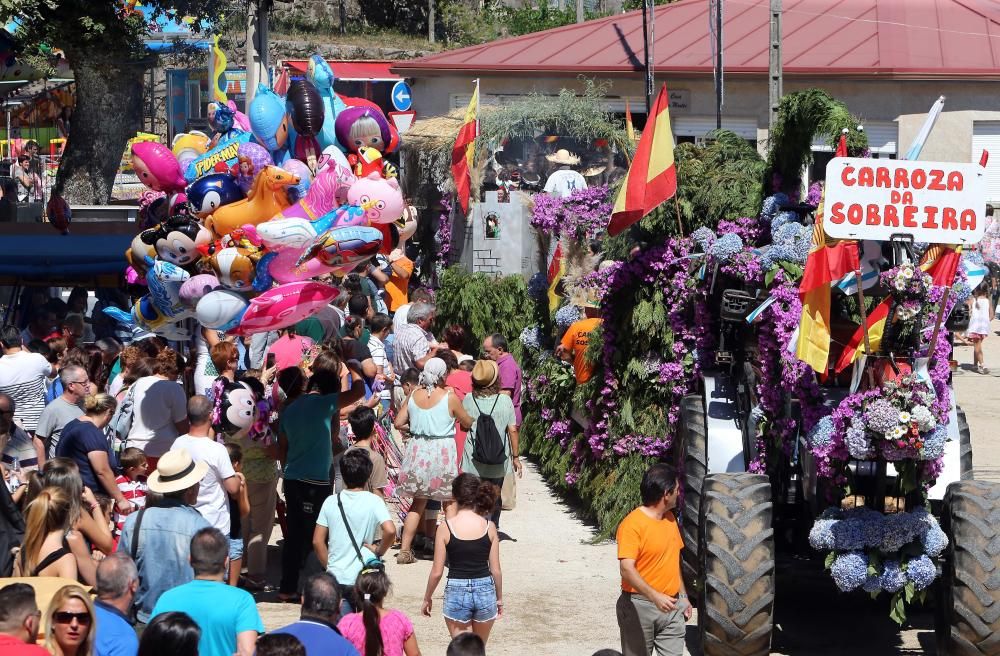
(242, 223)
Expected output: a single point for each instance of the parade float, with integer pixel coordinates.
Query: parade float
(789, 349)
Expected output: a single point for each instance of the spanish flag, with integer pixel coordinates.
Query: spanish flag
(875, 326)
(826, 263)
(219, 63)
(557, 269)
(629, 128)
(463, 151)
(941, 262)
(652, 176)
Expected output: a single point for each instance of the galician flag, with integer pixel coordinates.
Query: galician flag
(652, 176)
(463, 151)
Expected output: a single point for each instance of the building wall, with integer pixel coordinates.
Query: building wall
(902, 101)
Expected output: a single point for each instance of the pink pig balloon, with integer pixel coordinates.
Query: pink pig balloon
(380, 199)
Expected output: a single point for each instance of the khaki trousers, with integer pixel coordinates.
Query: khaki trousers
(257, 526)
(644, 627)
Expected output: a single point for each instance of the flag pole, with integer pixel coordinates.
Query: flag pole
(864, 322)
(932, 347)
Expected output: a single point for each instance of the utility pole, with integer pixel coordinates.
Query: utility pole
(774, 66)
(430, 21)
(257, 69)
(648, 28)
(579, 11)
(716, 19)
(343, 17)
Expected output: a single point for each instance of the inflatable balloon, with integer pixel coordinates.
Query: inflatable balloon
(283, 266)
(269, 122)
(235, 406)
(283, 306)
(195, 287)
(368, 161)
(59, 213)
(380, 199)
(266, 198)
(138, 252)
(177, 239)
(365, 127)
(221, 309)
(322, 77)
(189, 146)
(301, 169)
(165, 280)
(337, 156)
(235, 267)
(210, 192)
(221, 118)
(153, 206)
(252, 158)
(157, 167)
(344, 247)
(225, 155)
(305, 107)
(320, 199)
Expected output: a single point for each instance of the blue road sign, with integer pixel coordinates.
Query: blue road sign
(402, 98)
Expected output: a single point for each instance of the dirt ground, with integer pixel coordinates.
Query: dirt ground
(560, 588)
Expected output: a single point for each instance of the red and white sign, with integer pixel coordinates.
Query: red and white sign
(934, 202)
(403, 121)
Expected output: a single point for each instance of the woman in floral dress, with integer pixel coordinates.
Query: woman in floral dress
(430, 458)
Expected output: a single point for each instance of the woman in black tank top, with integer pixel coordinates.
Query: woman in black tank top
(48, 518)
(472, 594)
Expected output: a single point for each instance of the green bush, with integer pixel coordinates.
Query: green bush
(484, 305)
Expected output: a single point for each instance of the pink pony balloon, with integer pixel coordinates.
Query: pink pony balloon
(285, 305)
(320, 199)
(157, 167)
(240, 120)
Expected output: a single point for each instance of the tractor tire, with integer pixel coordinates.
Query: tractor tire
(735, 617)
(967, 612)
(694, 467)
(965, 446)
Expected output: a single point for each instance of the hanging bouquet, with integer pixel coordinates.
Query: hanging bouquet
(877, 552)
(897, 422)
(909, 287)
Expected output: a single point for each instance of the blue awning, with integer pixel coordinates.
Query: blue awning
(40, 257)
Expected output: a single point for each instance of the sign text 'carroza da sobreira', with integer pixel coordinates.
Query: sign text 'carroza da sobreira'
(934, 202)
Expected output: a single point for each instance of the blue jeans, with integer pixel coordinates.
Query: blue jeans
(470, 600)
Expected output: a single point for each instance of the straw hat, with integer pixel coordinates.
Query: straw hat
(562, 156)
(594, 170)
(176, 471)
(485, 373)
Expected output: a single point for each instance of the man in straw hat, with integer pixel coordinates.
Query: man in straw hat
(564, 181)
(159, 538)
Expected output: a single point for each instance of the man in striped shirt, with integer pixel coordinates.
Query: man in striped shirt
(22, 378)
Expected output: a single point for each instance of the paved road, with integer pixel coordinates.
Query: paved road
(560, 589)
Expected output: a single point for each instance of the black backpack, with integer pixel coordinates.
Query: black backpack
(489, 447)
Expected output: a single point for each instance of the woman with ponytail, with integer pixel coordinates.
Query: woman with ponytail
(473, 597)
(375, 631)
(45, 550)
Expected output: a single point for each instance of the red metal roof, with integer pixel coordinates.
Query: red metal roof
(897, 38)
(349, 70)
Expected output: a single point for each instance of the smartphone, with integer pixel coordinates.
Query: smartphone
(269, 361)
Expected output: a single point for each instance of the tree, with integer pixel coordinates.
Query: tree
(103, 41)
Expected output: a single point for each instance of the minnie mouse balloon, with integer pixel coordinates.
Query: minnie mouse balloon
(235, 406)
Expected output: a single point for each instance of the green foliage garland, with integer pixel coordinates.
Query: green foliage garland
(484, 305)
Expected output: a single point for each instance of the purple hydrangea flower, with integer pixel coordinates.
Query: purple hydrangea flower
(726, 246)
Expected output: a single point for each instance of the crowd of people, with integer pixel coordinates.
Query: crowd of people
(369, 434)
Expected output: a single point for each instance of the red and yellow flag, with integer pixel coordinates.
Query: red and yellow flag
(557, 269)
(875, 326)
(826, 263)
(629, 128)
(652, 176)
(463, 150)
(941, 262)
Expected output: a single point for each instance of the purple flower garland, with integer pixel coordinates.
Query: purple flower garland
(444, 229)
(582, 215)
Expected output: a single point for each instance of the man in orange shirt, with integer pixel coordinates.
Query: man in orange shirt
(573, 347)
(653, 606)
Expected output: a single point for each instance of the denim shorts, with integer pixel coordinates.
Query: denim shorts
(470, 600)
(235, 548)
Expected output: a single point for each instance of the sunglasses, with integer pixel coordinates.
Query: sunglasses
(64, 617)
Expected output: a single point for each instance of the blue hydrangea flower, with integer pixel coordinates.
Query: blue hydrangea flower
(892, 579)
(786, 233)
(847, 535)
(973, 257)
(961, 292)
(566, 315)
(934, 443)
(531, 337)
(771, 204)
(538, 286)
(821, 535)
(726, 246)
(704, 237)
(935, 541)
(872, 584)
(921, 571)
(821, 434)
(899, 529)
(850, 570)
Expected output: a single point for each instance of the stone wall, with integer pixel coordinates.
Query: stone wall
(314, 14)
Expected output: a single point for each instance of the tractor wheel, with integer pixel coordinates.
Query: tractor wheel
(694, 467)
(735, 617)
(968, 594)
(965, 445)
